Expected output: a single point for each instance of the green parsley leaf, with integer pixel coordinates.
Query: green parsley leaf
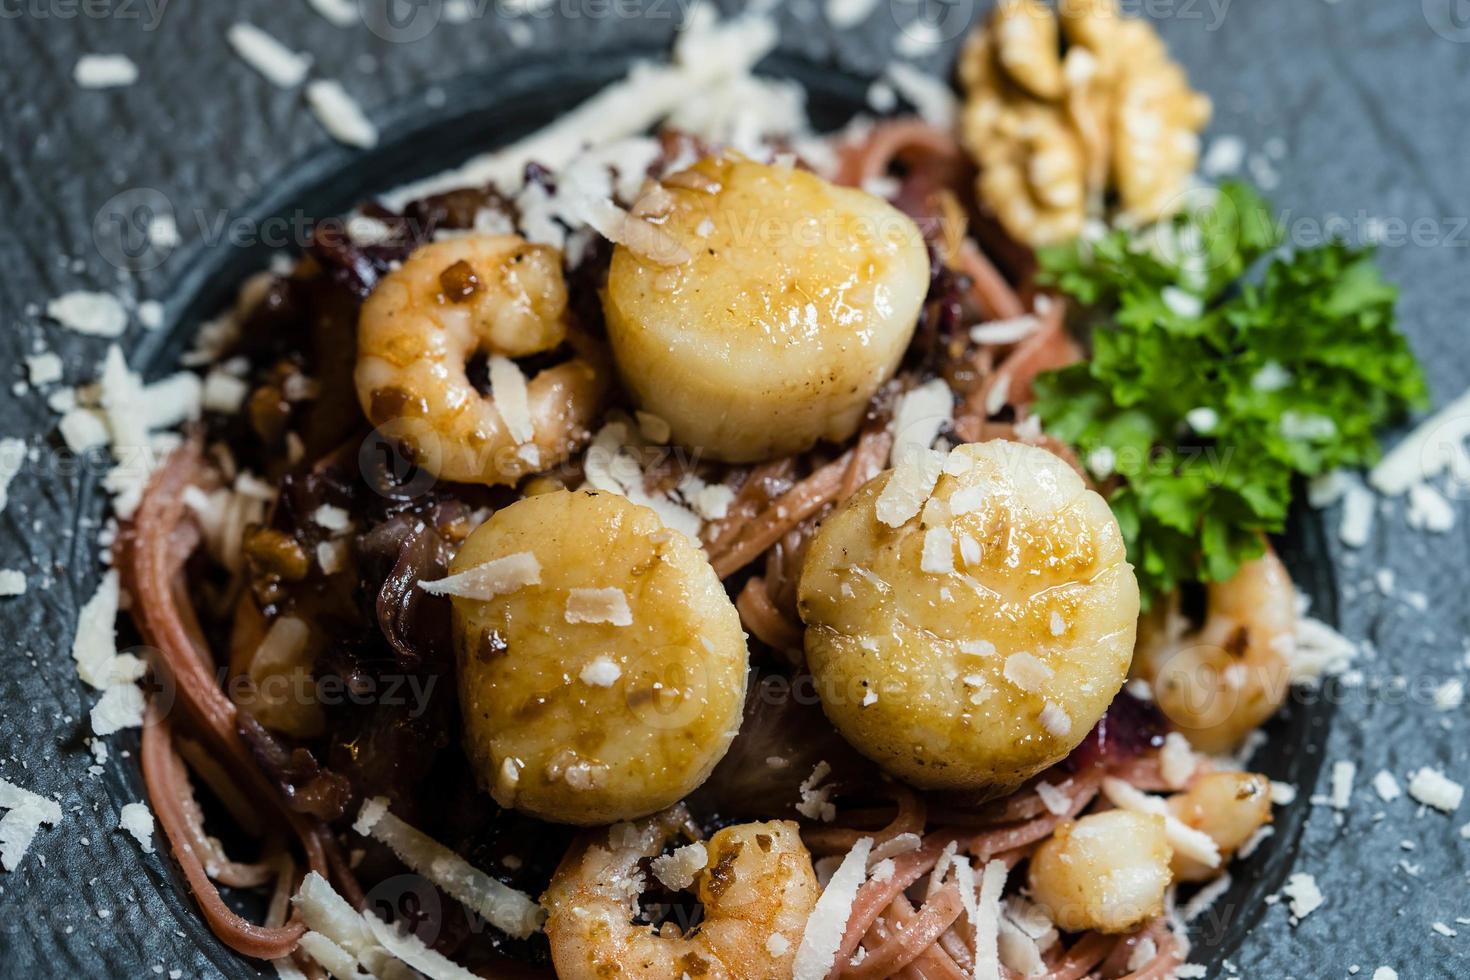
(1208, 394)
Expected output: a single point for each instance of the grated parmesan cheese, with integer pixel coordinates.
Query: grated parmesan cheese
(121, 706)
(1386, 786)
(707, 57)
(938, 553)
(815, 799)
(1432, 788)
(12, 582)
(337, 961)
(1054, 719)
(609, 465)
(909, 486)
(678, 870)
(511, 911)
(26, 812)
(1343, 773)
(1176, 760)
(332, 556)
(1185, 840)
(105, 71)
(1357, 516)
(985, 914)
(1435, 446)
(828, 920)
(340, 114)
(1428, 510)
(1026, 672)
(137, 820)
(844, 14)
(599, 606)
(338, 13)
(922, 413)
(508, 391)
(601, 672)
(331, 518)
(500, 576)
(1304, 895)
(43, 369)
(277, 63)
(223, 393)
(1056, 802)
(94, 314)
(408, 948)
(94, 648)
(1007, 331)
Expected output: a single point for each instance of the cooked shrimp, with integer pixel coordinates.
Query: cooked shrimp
(1230, 807)
(1107, 871)
(1220, 682)
(494, 295)
(756, 884)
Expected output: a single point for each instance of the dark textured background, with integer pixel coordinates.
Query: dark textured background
(1368, 99)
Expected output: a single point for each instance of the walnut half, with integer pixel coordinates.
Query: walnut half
(1069, 110)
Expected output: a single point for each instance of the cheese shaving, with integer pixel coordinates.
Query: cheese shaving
(815, 799)
(1027, 672)
(601, 672)
(105, 71)
(511, 911)
(828, 920)
(678, 870)
(340, 114)
(708, 56)
(1435, 446)
(121, 706)
(509, 392)
(500, 576)
(1432, 788)
(1185, 840)
(26, 812)
(599, 606)
(137, 820)
(938, 553)
(1304, 895)
(409, 949)
(922, 413)
(336, 960)
(94, 648)
(986, 917)
(1008, 331)
(277, 63)
(908, 487)
(1056, 802)
(95, 314)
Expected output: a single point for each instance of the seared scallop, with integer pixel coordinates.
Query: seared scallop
(601, 664)
(789, 303)
(969, 617)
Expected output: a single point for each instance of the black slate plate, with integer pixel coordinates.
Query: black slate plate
(52, 911)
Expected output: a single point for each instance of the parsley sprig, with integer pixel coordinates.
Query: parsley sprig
(1209, 390)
